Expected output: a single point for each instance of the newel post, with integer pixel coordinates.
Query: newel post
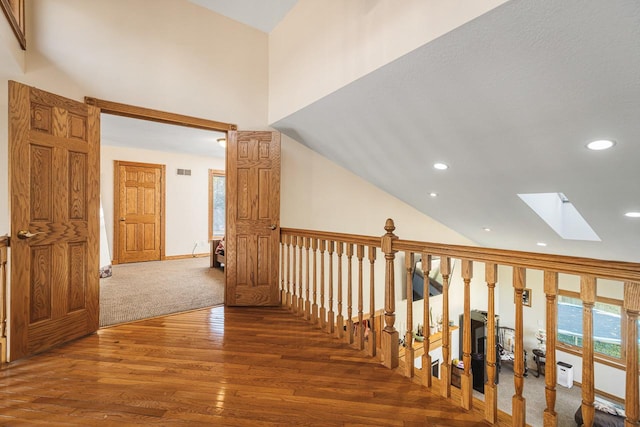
(389, 339)
(632, 308)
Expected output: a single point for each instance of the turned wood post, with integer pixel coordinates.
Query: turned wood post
(390, 343)
(289, 295)
(361, 328)
(349, 321)
(3, 299)
(300, 308)
(588, 296)
(283, 285)
(466, 385)
(490, 389)
(307, 302)
(550, 416)
(294, 296)
(426, 328)
(340, 317)
(372, 302)
(445, 367)
(323, 311)
(331, 315)
(518, 402)
(632, 307)
(314, 306)
(409, 353)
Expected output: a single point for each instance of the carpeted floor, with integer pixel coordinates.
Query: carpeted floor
(149, 289)
(567, 399)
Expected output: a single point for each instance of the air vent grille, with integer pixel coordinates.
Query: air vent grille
(186, 172)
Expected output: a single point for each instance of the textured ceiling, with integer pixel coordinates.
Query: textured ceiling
(508, 101)
(261, 14)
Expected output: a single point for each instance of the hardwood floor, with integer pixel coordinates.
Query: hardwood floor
(219, 366)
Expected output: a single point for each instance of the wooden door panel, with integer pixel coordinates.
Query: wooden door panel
(139, 221)
(253, 218)
(54, 158)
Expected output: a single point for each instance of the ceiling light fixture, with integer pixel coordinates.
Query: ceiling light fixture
(433, 194)
(222, 142)
(486, 229)
(601, 144)
(440, 166)
(541, 244)
(632, 214)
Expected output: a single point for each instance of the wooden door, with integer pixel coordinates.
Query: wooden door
(253, 218)
(138, 212)
(54, 149)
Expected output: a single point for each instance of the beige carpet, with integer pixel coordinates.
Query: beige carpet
(150, 289)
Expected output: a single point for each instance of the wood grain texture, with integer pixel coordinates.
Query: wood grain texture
(389, 338)
(4, 244)
(54, 185)
(201, 368)
(466, 381)
(588, 296)
(518, 404)
(632, 307)
(551, 292)
(491, 389)
(14, 10)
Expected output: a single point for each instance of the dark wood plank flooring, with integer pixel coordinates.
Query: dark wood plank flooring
(219, 366)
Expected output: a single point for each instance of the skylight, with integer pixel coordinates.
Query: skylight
(560, 214)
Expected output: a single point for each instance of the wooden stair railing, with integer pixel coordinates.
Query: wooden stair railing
(383, 338)
(4, 244)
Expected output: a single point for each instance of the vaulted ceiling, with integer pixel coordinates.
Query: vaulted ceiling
(508, 101)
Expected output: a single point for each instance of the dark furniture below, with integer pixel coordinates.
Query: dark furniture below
(539, 359)
(456, 373)
(217, 260)
(601, 419)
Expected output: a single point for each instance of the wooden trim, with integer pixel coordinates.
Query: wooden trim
(173, 257)
(126, 110)
(4, 243)
(116, 206)
(17, 22)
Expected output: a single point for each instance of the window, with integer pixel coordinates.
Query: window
(607, 325)
(217, 182)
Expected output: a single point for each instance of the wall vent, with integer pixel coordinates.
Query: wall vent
(184, 172)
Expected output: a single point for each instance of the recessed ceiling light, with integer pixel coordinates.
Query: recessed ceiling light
(601, 144)
(633, 214)
(440, 166)
(222, 142)
(541, 244)
(486, 229)
(433, 194)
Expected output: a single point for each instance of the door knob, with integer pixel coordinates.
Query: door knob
(273, 226)
(122, 219)
(25, 234)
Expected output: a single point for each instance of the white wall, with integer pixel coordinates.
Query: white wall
(321, 46)
(187, 197)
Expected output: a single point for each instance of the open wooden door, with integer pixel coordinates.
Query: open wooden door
(253, 218)
(54, 149)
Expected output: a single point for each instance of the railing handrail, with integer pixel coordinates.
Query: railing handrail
(605, 269)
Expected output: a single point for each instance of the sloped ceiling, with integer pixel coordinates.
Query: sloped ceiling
(508, 101)
(263, 15)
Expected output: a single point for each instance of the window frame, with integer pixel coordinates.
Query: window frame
(212, 174)
(598, 357)
(14, 12)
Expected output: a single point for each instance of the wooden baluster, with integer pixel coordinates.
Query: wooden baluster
(349, 322)
(283, 289)
(588, 296)
(550, 416)
(294, 296)
(339, 318)
(445, 367)
(307, 303)
(314, 306)
(289, 295)
(3, 300)
(372, 302)
(389, 338)
(300, 308)
(632, 307)
(323, 311)
(518, 402)
(426, 328)
(331, 314)
(409, 352)
(466, 385)
(490, 389)
(361, 328)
